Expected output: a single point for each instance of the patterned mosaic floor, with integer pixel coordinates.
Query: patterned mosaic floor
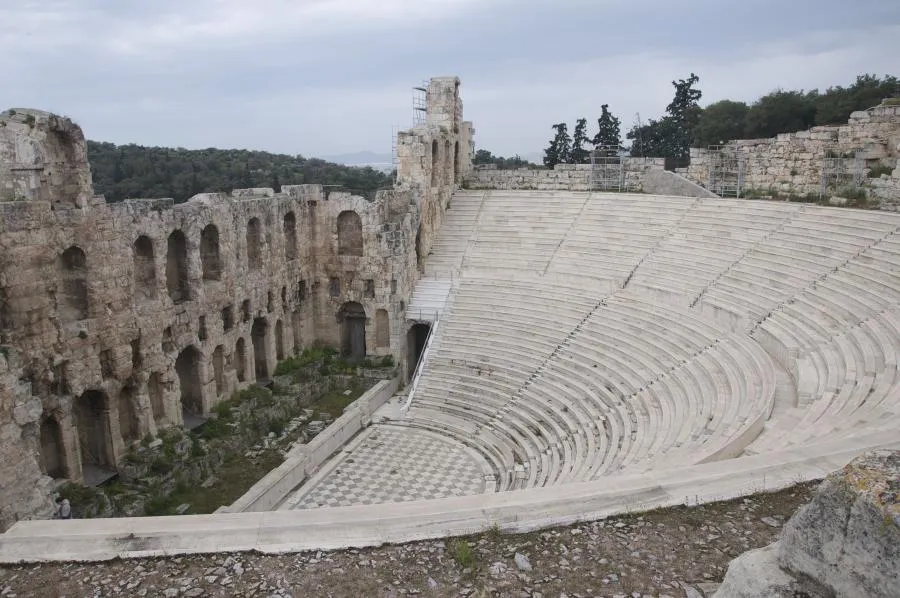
(393, 464)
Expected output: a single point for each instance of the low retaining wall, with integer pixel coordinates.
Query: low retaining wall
(664, 182)
(304, 459)
(563, 177)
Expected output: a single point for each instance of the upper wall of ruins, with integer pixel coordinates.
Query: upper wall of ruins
(794, 163)
(117, 320)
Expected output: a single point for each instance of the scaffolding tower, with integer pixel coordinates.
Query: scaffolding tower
(840, 170)
(607, 168)
(726, 170)
(420, 104)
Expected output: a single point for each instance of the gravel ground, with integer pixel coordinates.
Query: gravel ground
(676, 552)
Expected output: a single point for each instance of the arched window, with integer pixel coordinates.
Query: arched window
(434, 163)
(177, 267)
(73, 296)
(290, 236)
(144, 268)
(350, 237)
(448, 161)
(209, 253)
(254, 244)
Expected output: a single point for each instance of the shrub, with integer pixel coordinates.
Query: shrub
(880, 169)
(463, 554)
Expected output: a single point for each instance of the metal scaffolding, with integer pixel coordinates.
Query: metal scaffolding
(420, 104)
(726, 170)
(607, 168)
(840, 170)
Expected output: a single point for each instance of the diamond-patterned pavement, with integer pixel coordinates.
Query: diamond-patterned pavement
(394, 464)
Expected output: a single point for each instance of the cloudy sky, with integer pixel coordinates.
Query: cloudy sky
(322, 77)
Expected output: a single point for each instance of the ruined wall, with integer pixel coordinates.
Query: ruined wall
(119, 319)
(563, 177)
(792, 163)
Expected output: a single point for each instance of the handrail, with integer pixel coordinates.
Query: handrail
(419, 363)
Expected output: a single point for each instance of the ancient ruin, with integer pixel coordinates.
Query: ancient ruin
(568, 353)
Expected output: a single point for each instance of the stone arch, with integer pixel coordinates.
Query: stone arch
(187, 366)
(91, 411)
(350, 236)
(416, 337)
(177, 267)
(218, 361)
(240, 359)
(448, 161)
(73, 297)
(210, 260)
(53, 462)
(259, 333)
(128, 421)
(382, 329)
(289, 227)
(279, 340)
(434, 162)
(352, 317)
(144, 268)
(254, 244)
(456, 161)
(155, 391)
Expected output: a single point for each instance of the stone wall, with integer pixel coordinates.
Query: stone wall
(563, 177)
(119, 319)
(792, 163)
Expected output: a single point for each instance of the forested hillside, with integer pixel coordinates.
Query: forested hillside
(132, 171)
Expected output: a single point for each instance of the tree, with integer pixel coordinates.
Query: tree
(560, 147)
(837, 103)
(483, 156)
(780, 112)
(720, 122)
(655, 139)
(684, 110)
(608, 133)
(578, 154)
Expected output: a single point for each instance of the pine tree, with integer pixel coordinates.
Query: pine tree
(560, 147)
(607, 129)
(684, 111)
(578, 154)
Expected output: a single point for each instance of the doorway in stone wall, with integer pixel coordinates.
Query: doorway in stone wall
(420, 257)
(352, 317)
(187, 366)
(53, 461)
(259, 332)
(91, 411)
(416, 337)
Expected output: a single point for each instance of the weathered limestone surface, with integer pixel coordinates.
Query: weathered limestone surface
(845, 542)
(664, 182)
(793, 162)
(119, 319)
(563, 177)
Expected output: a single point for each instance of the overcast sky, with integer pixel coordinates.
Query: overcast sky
(321, 77)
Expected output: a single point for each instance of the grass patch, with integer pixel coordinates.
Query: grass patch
(463, 554)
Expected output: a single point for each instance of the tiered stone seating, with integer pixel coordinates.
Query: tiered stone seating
(583, 339)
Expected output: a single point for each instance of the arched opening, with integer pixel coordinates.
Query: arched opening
(155, 390)
(210, 260)
(254, 244)
(258, 334)
(350, 237)
(296, 324)
(279, 340)
(52, 459)
(448, 161)
(92, 419)
(218, 360)
(416, 337)
(352, 317)
(434, 163)
(73, 296)
(420, 252)
(144, 268)
(240, 359)
(382, 329)
(290, 236)
(128, 423)
(177, 267)
(187, 366)
(456, 162)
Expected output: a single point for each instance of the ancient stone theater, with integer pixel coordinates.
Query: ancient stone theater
(567, 349)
